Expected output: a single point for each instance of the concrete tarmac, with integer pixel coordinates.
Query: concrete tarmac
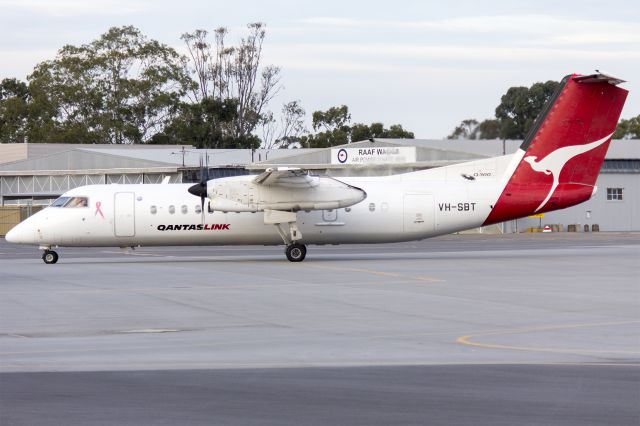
(411, 395)
(473, 329)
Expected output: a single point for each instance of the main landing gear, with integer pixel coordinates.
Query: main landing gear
(287, 226)
(296, 252)
(49, 256)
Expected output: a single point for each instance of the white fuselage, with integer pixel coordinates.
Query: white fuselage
(402, 207)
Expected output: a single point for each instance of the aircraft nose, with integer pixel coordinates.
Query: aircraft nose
(22, 233)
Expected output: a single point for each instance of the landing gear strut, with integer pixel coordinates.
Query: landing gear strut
(49, 256)
(296, 252)
(287, 226)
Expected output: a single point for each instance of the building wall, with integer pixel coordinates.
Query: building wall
(623, 215)
(22, 189)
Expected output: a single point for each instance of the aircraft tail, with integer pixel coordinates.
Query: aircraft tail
(558, 163)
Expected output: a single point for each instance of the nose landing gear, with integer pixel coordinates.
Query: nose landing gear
(49, 256)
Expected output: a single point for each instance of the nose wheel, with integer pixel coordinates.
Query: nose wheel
(296, 252)
(49, 257)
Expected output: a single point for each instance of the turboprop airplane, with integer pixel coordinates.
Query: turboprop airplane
(556, 167)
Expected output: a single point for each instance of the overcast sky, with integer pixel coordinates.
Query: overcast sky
(424, 64)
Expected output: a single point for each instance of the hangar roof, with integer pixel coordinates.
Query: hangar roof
(217, 157)
(424, 152)
(431, 152)
(77, 159)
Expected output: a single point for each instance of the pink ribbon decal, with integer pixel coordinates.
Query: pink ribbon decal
(98, 210)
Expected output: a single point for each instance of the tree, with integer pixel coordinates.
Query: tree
(202, 124)
(487, 129)
(121, 88)
(515, 115)
(290, 129)
(465, 130)
(333, 129)
(361, 132)
(331, 119)
(628, 128)
(520, 106)
(336, 130)
(235, 73)
(14, 110)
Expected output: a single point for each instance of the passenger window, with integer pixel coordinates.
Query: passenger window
(384, 207)
(184, 209)
(198, 209)
(172, 209)
(154, 210)
(372, 207)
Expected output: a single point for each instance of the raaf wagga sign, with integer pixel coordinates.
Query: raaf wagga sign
(374, 155)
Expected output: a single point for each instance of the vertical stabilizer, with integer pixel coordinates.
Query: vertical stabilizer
(559, 161)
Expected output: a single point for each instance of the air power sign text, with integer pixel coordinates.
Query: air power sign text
(383, 155)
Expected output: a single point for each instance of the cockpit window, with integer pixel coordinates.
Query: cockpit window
(78, 202)
(60, 202)
(71, 202)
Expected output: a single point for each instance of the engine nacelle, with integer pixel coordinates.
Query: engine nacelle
(242, 194)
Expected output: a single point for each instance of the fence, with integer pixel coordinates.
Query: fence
(10, 216)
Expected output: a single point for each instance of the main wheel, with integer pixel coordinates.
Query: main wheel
(50, 257)
(296, 252)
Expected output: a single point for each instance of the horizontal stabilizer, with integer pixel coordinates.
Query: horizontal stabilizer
(596, 78)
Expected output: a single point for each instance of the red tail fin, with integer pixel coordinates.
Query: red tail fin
(560, 158)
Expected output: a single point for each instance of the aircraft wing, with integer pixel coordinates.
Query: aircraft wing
(287, 177)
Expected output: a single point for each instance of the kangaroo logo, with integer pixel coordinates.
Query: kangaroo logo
(553, 163)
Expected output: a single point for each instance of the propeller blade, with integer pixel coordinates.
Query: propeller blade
(202, 209)
(200, 188)
(204, 178)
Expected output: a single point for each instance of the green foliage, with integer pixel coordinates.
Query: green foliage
(515, 115)
(465, 130)
(14, 110)
(628, 128)
(471, 129)
(204, 125)
(337, 131)
(487, 129)
(361, 132)
(121, 88)
(517, 112)
(327, 139)
(331, 119)
(235, 73)
(126, 88)
(520, 106)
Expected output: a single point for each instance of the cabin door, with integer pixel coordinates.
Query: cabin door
(419, 213)
(124, 217)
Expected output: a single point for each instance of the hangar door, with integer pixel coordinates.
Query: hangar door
(419, 213)
(124, 217)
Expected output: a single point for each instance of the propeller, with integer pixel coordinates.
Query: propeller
(200, 188)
